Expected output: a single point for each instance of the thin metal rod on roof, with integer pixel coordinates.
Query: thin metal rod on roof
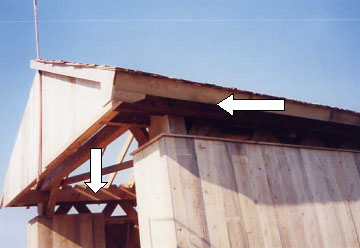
(36, 29)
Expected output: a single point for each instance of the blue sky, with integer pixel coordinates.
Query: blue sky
(307, 50)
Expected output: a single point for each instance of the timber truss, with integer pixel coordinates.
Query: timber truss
(55, 192)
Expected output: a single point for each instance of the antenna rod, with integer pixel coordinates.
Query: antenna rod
(36, 30)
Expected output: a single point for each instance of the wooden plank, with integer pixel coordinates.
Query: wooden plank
(51, 202)
(259, 193)
(190, 216)
(71, 231)
(154, 207)
(107, 170)
(253, 194)
(283, 193)
(99, 231)
(353, 192)
(140, 134)
(223, 219)
(87, 234)
(100, 140)
(305, 214)
(112, 123)
(83, 102)
(26, 148)
(337, 182)
(327, 219)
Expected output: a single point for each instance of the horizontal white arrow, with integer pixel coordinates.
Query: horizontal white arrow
(230, 104)
(96, 182)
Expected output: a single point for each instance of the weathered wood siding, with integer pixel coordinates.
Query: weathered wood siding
(208, 193)
(24, 161)
(69, 107)
(70, 231)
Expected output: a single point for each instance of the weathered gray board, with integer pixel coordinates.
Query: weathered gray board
(70, 106)
(199, 192)
(67, 231)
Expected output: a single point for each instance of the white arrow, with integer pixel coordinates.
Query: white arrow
(96, 182)
(230, 104)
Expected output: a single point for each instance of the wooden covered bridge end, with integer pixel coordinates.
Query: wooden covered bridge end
(200, 177)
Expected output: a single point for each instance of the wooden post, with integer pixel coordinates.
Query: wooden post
(166, 124)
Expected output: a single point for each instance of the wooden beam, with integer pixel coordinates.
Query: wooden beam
(129, 210)
(77, 194)
(87, 136)
(82, 208)
(109, 209)
(120, 124)
(63, 208)
(127, 189)
(107, 170)
(100, 140)
(166, 124)
(51, 203)
(121, 157)
(140, 134)
(241, 119)
(210, 94)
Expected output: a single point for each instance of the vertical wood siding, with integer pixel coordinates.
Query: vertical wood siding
(233, 194)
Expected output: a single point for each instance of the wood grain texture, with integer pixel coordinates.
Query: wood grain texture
(236, 194)
(73, 110)
(155, 210)
(70, 107)
(70, 231)
(24, 161)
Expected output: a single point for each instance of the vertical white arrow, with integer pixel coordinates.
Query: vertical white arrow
(96, 182)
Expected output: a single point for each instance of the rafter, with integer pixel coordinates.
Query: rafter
(140, 134)
(100, 140)
(107, 170)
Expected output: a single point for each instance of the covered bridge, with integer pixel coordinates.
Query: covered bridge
(202, 178)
